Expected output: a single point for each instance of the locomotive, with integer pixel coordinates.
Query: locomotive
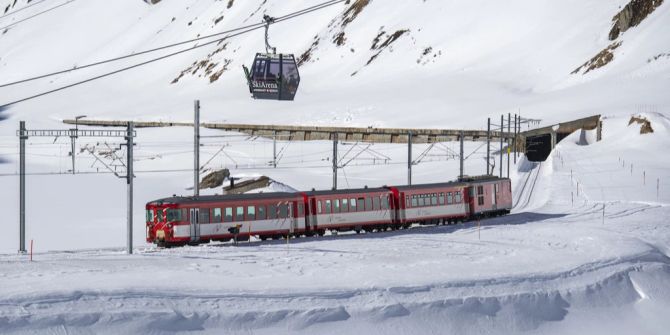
(180, 220)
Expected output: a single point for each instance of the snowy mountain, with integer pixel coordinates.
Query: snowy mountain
(441, 60)
(585, 249)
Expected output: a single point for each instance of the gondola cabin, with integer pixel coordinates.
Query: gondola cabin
(273, 77)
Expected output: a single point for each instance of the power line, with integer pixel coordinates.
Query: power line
(110, 60)
(24, 8)
(36, 15)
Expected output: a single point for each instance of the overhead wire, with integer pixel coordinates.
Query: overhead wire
(36, 15)
(244, 29)
(22, 9)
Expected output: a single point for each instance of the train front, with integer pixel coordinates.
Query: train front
(162, 217)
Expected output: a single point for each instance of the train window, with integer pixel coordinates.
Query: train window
(261, 213)
(150, 215)
(159, 215)
(239, 214)
(407, 202)
(251, 213)
(480, 190)
(204, 215)
(472, 192)
(441, 198)
(216, 215)
(228, 217)
(272, 212)
(458, 198)
(433, 199)
(184, 215)
(415, 201)
(385, 202)
(336, 206)
(283, 211)
(173, 215)
(361, 204)
(301, 210)
(375, 203)
(345, 205)
(328, 211)
(480, 201)
(450, 198)
(352, 204)
(421, 200)
(319, 208)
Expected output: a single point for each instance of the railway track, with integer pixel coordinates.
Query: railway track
(526, 192)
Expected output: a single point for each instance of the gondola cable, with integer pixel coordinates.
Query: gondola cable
(135, 54)
(284, 18)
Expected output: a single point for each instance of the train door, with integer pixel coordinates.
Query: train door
(195, 224)
(293, 216)
(313, 214)
(403, 205)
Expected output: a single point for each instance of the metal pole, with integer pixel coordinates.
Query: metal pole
(515, 138)
(409, 158)
(461, 155)
(488, 145)
(22, 186)
(129, 182)
(334, 161)
(196, 149)
(502, 129)
(274, 149)
(509, 124)
(73, 136)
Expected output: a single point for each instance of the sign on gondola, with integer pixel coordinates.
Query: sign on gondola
(272, 76)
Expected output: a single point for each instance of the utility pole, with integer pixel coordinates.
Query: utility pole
(23, 136)
(129, 183)
(196, 149)
(334, 161)
(509, 123)
(461, 156)
(409, 158)
(488, 145)
(515, 138)
(502, 129)
(274, 149)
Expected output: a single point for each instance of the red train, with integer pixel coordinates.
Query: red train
(192, 220)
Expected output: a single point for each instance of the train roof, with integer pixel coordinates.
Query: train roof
(347, 191)
(433, 185)
(465, 181)
(225, 197)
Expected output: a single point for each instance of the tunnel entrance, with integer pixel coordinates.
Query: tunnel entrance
(538, 147)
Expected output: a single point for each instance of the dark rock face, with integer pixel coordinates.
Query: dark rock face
(631, 15)
(601, 59)
(214, 179)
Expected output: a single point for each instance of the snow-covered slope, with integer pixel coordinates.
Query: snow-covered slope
(456, 58)
(595, 263)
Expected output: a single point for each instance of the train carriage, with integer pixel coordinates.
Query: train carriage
(432, 203)
(489, 196)
(182, 220)
(353, 209)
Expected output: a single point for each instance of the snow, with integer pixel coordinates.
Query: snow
(585, 249)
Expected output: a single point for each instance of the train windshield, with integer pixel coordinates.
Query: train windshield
(174, 215)
(150, 215)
